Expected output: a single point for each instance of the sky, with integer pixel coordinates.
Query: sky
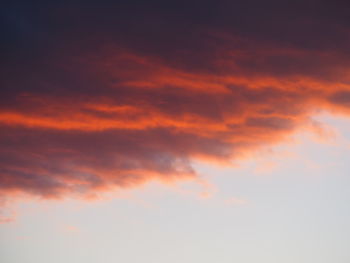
(174, 131)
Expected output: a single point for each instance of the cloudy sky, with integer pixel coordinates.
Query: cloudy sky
(174, 131)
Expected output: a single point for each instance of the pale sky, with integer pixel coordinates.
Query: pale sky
(287, 204)
(211, 131)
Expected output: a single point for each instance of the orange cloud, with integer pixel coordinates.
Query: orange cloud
(106, 110)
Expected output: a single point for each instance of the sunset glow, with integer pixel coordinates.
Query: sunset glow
(234, 109)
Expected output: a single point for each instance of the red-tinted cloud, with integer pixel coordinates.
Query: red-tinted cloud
(102, 108)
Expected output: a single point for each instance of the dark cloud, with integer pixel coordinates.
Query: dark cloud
(341, 97)
(108, 94)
